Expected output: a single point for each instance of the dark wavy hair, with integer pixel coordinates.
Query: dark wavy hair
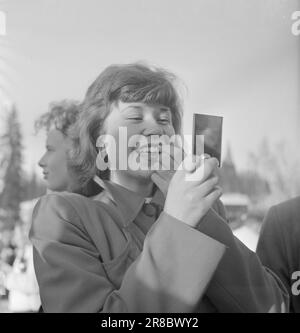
(60, 115)
(135, 82)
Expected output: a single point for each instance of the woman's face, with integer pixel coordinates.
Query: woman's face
(139, 119)
(54, 161)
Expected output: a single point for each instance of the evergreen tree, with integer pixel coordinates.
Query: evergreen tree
(11, 147)
(229, 178)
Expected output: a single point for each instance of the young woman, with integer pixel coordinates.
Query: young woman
(124, 246)
(56, 122)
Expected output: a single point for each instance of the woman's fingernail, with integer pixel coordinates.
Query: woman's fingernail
(204, 156)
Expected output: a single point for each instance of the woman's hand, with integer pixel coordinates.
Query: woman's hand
(193, 190)
(161, 178)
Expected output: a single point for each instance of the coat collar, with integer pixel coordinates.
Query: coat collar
(128, 202)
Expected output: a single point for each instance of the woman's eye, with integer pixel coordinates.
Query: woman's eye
(164, 120)
(135, 118)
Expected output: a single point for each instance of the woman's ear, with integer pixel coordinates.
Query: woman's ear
(101, 145)
(102, 151)
(101, 160)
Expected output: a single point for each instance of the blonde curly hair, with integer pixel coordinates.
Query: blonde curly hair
(60, 115)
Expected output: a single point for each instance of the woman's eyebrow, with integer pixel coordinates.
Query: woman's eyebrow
(165, 109)
(132, 107)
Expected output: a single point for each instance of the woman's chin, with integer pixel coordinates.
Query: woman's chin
(142, 174)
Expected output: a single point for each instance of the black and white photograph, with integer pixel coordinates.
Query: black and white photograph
(149, 158)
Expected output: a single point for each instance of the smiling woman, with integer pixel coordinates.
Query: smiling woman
(109, 252)
(141, 96)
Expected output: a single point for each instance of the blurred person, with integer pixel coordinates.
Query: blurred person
(20, 280)
(7, 257)
(279, 246)
(7, 251)
(143, 242)
(56, 122)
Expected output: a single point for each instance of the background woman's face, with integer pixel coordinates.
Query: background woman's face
(54, 161)
(139, 119)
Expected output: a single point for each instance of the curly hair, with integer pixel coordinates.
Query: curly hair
(61, 115)
(135, 82)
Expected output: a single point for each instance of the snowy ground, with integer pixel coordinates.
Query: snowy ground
(3, 306)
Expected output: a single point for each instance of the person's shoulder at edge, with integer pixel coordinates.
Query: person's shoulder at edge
(288, 209)
(284, 217)
(65, 200)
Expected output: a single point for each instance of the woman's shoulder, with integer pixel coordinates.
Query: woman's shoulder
(68, 219)
(67, 207)
(65, 201)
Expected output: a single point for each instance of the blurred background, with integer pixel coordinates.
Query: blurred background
(236, 59)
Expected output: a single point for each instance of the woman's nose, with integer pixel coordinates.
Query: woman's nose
(152, 127)
(42, 162)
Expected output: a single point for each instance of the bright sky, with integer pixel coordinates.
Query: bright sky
(237, 58)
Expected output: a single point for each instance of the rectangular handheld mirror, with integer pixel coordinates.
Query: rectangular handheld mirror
(207, 135)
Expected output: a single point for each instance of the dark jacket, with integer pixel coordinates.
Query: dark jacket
(279, 246)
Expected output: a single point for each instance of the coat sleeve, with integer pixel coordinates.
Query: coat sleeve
(170, 275)
(241, 283)
(271, 247)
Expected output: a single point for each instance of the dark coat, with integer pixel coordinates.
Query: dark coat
(279, 246)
